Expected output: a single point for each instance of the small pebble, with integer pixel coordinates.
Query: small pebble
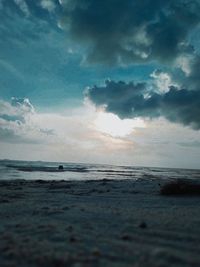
(96, 252)
(143, 225)
(126, 237)
(72, 239)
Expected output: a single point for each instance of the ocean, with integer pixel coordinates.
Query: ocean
(33, 170)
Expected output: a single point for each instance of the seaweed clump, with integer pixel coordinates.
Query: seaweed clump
(181, 187)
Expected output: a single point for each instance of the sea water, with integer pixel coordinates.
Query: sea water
(32, 170)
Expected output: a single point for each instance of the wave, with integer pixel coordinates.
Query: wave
(47, 169)
(67, 171)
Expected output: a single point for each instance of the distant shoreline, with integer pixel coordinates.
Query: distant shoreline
(57, 163)
(93, 163)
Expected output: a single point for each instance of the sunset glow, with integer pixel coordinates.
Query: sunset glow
(112, 125)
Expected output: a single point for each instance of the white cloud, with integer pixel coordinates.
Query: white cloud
(162, 81)
(48, 5)
(184, 62)
(23, 6)
(20, 108)
(16, 120)
(23, 105)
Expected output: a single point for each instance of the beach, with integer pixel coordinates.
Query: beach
(100, 133)
(97, 223)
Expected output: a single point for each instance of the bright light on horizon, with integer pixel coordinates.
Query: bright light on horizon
(112, 125)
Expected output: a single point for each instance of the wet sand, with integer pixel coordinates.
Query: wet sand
(97, 223)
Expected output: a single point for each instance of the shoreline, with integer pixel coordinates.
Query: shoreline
(97, 223)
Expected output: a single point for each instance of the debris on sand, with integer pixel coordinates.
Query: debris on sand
(181, 187)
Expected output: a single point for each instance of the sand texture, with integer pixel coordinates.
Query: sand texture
(97, 223)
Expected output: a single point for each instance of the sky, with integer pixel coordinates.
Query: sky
(101, 81)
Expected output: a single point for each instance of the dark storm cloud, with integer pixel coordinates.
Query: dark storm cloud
(132, 30)
(140, 31)
(193, 78)
(135, 100)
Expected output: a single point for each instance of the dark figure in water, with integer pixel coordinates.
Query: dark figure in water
(60, 167)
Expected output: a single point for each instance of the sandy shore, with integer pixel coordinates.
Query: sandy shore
(97, 223)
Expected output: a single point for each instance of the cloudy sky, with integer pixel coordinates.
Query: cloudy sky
(101, 81)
